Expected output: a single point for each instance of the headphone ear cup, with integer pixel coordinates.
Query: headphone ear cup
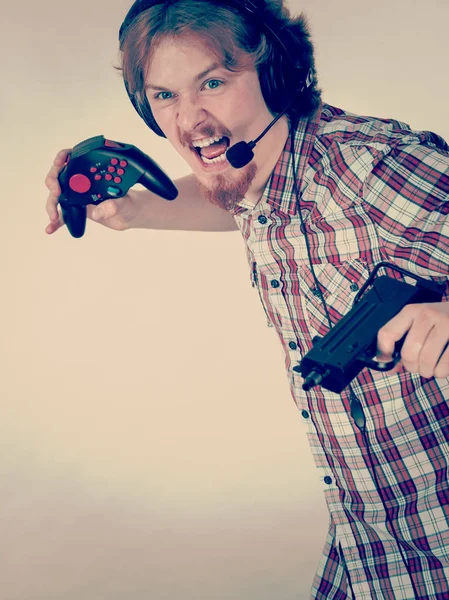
(144, 111)
(280, 78)
(275, 83)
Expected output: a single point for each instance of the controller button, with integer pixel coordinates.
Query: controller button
(97, 177)
(111, 144)
(114, 161)
(98, 196)
(113, 190)
(123, 163)
(117, 180)
(111, 169)
(79, 183)
(93, 169)
(108, 177)
(120, 171)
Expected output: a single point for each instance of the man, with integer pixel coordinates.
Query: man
(209, 75)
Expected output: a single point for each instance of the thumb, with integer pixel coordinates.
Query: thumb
(105, 210)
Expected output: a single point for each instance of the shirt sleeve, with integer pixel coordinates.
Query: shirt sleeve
(406, 195)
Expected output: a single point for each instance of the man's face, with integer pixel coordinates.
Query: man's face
(203, 108)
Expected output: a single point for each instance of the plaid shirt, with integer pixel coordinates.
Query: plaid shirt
(371, 190)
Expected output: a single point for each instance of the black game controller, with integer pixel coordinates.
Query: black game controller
(98, 169)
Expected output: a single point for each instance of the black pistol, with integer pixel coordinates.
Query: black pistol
(351, 344)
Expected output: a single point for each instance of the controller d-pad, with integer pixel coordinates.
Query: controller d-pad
(80, 183)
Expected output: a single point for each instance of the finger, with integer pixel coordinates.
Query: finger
(424, 343)
(442, 368)
(51, 205)
(54, 226)
(395, 329)
(52, 183)
(51, 179)
(432, 352)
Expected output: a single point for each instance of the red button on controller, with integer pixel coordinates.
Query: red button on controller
(79, 183)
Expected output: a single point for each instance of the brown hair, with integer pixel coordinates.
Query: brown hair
(262, 39)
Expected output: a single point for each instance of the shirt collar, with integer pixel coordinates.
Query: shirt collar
(279, 192)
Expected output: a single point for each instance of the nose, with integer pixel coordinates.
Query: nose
(190, 113)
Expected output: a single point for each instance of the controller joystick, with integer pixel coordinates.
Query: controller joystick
(99, 169)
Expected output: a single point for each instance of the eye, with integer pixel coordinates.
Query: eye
(213, 84)
(163, 96)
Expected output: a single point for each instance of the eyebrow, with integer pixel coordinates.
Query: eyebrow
(212, 67)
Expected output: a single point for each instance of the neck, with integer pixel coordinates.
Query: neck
(266, 155)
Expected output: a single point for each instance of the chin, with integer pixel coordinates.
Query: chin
(226, 192)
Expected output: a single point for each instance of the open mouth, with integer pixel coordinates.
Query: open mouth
(211, 150)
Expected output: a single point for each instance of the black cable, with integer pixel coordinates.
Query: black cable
(356, 407)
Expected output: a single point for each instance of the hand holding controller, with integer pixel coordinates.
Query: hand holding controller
(99, 169)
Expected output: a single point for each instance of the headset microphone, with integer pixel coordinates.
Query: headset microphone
(241, 154)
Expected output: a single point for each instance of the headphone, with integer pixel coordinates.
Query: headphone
(277, 75)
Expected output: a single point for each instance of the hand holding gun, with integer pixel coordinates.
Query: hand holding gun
(338, 357)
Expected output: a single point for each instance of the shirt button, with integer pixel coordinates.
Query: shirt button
(305, 414)
(274, 283)
(316, 292)
(353, 287)
(292, 345)
(262, 219)
(328, 480)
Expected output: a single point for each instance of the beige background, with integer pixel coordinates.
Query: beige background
(149, 446)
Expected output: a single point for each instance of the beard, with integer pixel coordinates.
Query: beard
(227, 192)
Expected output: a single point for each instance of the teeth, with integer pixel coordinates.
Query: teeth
(206, 142)
(211, 161)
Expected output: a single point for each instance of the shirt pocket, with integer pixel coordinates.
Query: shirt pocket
(339, 283)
